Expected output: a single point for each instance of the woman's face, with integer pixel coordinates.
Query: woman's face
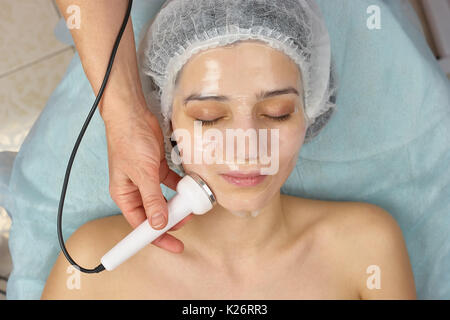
(248, 86)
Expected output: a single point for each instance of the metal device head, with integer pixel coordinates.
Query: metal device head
(195, 190)
(204, 186)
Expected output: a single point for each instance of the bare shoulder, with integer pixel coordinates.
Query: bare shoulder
(359, 221)
(345, 220)
(86, 246)
(366, 244)
(371, 248)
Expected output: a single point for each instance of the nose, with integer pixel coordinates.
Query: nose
(243, 139)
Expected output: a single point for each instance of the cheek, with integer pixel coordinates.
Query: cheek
(202, 171)
(291, 142)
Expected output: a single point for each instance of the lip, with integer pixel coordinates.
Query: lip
(243, 179)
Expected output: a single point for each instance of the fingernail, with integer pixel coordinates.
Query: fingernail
(158, 220)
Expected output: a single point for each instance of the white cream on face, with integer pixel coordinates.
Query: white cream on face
(212, 77)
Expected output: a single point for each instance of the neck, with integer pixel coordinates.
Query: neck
(227, 236)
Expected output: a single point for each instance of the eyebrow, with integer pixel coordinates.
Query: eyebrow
(260, 96)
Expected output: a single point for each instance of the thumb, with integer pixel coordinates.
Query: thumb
(153, 201)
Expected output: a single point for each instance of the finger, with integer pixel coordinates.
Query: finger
(153, 201)
(135, 216)
(168, 177)
(130, 204)
(169, 243)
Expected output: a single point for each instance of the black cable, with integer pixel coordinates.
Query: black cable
(100, 267)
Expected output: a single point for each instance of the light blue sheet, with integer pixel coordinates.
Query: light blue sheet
(387, 144)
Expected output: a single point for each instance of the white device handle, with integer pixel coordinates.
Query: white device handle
(144, 234)
(193, 196)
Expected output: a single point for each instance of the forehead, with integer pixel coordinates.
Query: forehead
(242, 68)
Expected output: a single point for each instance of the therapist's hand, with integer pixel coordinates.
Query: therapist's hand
(135, 144)
(137, 166)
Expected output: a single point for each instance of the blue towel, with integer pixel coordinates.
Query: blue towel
(388, 144)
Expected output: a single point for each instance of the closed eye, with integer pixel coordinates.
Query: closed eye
(280, 118)
(213, 122)
(209, 122)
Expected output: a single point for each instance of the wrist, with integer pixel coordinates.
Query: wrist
(118, 103)
(123, 92)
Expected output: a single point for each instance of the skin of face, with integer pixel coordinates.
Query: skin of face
(240, 76)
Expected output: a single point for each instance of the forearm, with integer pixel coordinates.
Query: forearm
(100, 24)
